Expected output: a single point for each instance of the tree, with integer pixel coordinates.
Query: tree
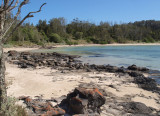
(78, 35)
(58, 25)
(54, 37)
(7, 28)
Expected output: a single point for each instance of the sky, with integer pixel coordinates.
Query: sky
(115, 11)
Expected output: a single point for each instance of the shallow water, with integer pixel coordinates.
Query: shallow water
(145, 56)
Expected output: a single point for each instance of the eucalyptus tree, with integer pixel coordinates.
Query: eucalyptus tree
(7, 28)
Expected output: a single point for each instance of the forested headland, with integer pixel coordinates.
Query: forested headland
(84, 32)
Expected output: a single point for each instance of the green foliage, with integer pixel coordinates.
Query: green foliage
(148, 40)
(57, 31)
(9, 108)
(19, 43)
(28, 33)
(54, 37)
(78, 35)
(20, 111)
(94, 40)
(75, 43)
(45, 37)
(68, 41)
(89, 39)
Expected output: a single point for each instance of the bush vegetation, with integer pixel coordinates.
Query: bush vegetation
(57, 31)
(9, 108)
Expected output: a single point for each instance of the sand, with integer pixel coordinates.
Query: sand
(53, 83)
(19, 49)
(114, 44)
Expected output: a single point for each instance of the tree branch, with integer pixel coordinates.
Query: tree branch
(12, 7)
(8, 7)
(3, 34)
(1, 6)
(14, 29)
(20, 6)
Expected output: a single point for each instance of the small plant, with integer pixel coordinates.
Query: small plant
(20, 111)
(9, 108)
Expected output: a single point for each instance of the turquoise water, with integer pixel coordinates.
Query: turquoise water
(146, 56)
(143, 56)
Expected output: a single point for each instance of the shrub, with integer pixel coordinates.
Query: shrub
(92, 39)
(75, 43)
(148, 40)
(69, 42)
(54, 37)
(78, 35)
(9, 108)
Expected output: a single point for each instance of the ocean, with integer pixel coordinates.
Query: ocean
(140, 55)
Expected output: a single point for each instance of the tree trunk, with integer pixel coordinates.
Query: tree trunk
(6, 7)
(2, 65)
(3, 93)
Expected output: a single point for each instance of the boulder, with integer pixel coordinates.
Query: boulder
(85, 99)
(13, 54)
(144, 82)
(42, 107)
(135, 68)
(136, 107)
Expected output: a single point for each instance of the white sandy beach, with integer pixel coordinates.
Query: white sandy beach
(53, 83)
(114, 44)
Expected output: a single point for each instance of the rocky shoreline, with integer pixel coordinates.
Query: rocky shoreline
(89, 98)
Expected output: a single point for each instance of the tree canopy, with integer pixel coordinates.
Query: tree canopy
(58, 31)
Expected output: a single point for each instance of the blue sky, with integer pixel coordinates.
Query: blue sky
(119, 11)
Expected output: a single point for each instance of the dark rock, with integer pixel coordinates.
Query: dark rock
(135, 68)
(22, 65)
(112, 86)
(88, 70)
(56, 60)
(76, 105)
(12, 53)
(42, 107)
(135, 74)
(112, 69)
(136, 107)
(144, 82)
(121, 70)
(25, 53)
(83, 100)
(54, 112)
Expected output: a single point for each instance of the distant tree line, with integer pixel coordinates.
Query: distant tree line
(79, 32)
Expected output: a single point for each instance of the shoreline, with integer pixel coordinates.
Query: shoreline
(21, 48)
(116, 44)
(56, 82)
(51, 83)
